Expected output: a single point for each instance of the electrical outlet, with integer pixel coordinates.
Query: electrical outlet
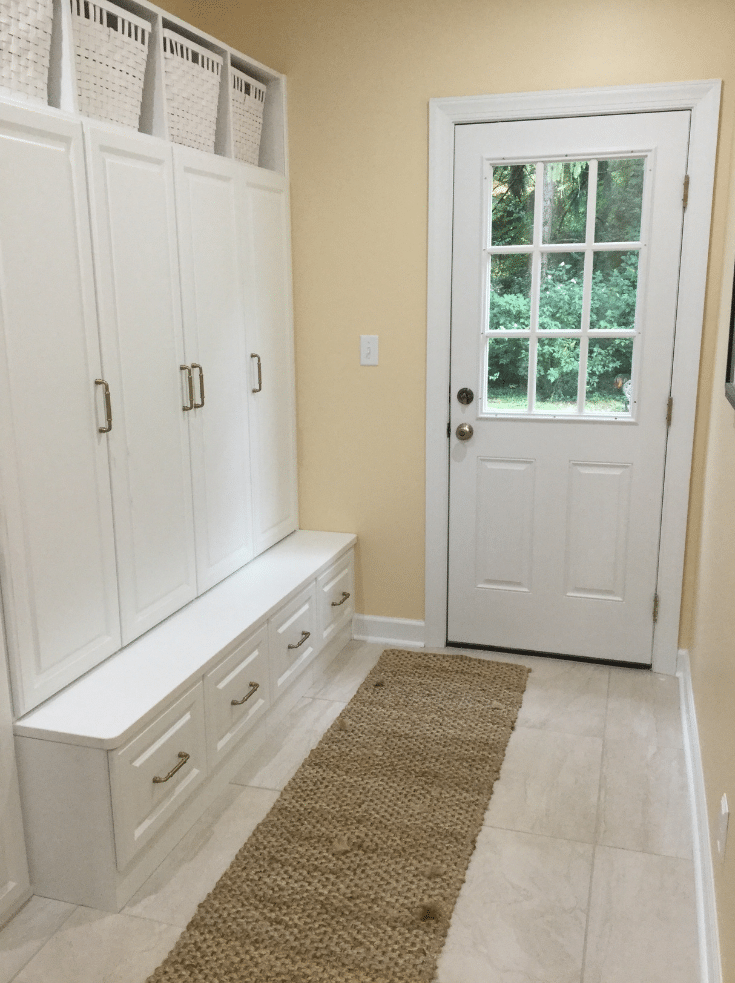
(722, 827)
(368, 349)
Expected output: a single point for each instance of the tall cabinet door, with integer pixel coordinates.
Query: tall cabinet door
(266, 252)
(134, 231)
(214, 333)
(15, 886)
(58, 577)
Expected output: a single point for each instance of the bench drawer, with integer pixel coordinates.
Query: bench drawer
(236, 695)
(293, 637)
(156, 772)
(336, 596)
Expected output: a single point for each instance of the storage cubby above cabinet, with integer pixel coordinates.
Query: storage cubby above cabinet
(160, 59)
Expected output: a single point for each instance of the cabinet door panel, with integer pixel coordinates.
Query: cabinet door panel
(59, 581)
(134, 228)
(214, 332)
(14, 883)
(263, 211)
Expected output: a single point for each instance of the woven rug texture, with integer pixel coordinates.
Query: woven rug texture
(353, 874)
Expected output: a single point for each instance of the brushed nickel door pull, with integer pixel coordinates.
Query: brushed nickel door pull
(304, 636)
(189, 386)
(184, 758)
(200, 370)
(336, 604)
(108, 406)
(260, 374)
(253, 688)
(465, 431)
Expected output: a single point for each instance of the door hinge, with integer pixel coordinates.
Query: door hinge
(669, 411)
(655, 608)
(685, 196)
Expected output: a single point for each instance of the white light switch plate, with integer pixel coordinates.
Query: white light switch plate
(368, 349)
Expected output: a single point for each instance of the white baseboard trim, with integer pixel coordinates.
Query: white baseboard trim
(391, 631)
(709, 940)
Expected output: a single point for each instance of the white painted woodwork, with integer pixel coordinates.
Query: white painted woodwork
(593, 560)
(293, 639)
(265, 251)
(59, 581)
(598, 522)
(504, 547)
(702, 99)
(336, 610)
(107, 707)
(137, 271)
(214, 332)
(243, 675)
(96, 825)
(15, 886)
(140, 805)
(66, 794)
(67, 815)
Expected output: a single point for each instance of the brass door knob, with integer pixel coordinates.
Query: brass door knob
(465, 431)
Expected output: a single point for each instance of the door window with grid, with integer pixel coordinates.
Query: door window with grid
(563, 256)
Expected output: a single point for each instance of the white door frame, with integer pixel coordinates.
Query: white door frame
(703, 99)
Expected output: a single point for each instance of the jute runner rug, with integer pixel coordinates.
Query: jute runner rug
(353, 874)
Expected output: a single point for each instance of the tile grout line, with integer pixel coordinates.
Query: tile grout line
(598, 817)
(53, 934)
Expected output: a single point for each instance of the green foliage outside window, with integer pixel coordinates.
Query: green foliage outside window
(614, 280)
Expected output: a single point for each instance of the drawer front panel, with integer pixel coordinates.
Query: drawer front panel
(289, 628)
(336, 609)
(236, 694)
(172, 750)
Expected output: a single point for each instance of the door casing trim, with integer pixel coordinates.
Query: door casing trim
(702, 98)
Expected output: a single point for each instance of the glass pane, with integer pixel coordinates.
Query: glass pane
(614, 287)
(565, 201)
(509, 302)
(507, 375)
(560, 300)
(557, 375)
(511, 208)
(619, 200)
(609, 368)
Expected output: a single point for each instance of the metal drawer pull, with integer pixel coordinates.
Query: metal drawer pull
(336, 604)
(108, 406)
(197, 366)
(239, 703)
(184, 758)
(190, 386)
(304, 636)
(260, 374)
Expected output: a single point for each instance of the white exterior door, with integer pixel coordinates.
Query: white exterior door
(134, 228)
(214, 332)
(59, 579)
(265, 237)
(566, 250)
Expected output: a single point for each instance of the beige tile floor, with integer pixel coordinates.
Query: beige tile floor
(582, 871)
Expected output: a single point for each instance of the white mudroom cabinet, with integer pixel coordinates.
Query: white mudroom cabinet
(15, 886)
(59, 579)
(147, 366)
(160, 606)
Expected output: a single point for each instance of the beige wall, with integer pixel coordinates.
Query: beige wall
(361, 73)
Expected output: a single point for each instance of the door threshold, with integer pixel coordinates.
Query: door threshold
(550, 655)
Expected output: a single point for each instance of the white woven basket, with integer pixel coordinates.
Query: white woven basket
(111, 49)
(192, 91)
(25, 42)
(248, 99)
